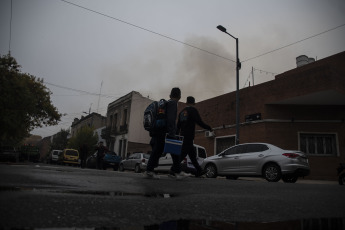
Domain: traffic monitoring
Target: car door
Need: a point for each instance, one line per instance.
(251, 159)
(229, 160)
(165, 162)
(127, 163)
(134, 160)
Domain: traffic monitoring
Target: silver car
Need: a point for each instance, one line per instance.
(258, 159)
(136, 162)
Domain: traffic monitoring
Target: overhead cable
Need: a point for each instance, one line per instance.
(294, 43)
(151, 31)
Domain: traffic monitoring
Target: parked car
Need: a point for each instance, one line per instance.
(9, 153)
(258, 159)
(136, 162)
(71, 156)
(165, 162)
(110, 160)
(56, 156)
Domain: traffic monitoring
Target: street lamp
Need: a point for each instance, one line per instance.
(238, 67)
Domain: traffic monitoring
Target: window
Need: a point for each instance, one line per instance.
(256, 148)
(124, 121)
(223, 143)
(202, 153)
(318, 144)
(235, 150)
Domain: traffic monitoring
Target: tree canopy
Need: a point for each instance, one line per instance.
(60, 140)
(85, 135)
(25, 103)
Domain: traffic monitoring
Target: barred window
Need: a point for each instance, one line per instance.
(318, 144)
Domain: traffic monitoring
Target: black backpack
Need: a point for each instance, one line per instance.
(155, 116)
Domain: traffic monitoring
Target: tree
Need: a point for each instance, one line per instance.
(25, 103)
(85, 135)
(60, 140)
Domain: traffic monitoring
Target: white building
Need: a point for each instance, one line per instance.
(124, 127)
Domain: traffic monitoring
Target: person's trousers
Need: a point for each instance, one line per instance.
(157, 144)
(188, 149)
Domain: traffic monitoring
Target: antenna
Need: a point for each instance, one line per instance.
(9, 44)
(99, 96)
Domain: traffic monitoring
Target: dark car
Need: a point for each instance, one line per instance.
(8, 153)
(110, 160)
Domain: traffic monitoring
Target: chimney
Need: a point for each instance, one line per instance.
(303, 60)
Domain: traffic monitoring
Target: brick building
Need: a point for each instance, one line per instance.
(302, 109)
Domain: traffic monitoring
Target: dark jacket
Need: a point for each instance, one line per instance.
(187, 119)
(171, 115)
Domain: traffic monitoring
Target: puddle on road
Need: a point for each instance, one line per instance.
(305, 224)
(88, 192)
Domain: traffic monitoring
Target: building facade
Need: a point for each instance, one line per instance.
(302, 109)
(94, 120)
(126, 133)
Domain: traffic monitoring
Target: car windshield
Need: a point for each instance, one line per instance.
(72, 152)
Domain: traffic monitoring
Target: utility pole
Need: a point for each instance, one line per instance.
(253, 74)
(99, 96)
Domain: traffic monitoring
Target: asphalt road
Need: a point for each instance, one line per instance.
(50, 196)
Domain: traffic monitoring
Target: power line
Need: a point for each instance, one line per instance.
(81, 91)
(150, 31)
(294, 43)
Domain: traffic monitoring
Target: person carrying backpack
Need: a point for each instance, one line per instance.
(166, 125)
(187, 119)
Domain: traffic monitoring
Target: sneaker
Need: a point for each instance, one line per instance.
(151, 175)
(182, 175)
(172, 175)
(200, 174)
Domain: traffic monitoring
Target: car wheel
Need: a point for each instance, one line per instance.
(289, 179)
(272, 173)
(121, 169)
(341, 179)
(137, 169)
(232, 177)
(211, 171)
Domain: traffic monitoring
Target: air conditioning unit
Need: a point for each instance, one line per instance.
(209, 134)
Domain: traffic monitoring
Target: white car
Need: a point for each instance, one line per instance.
(258, 159)
(136, 162)
(165, 162)
(56, 156)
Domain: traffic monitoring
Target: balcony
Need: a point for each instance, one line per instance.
(124, 128)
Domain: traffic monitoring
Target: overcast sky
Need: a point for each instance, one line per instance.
(151, 46)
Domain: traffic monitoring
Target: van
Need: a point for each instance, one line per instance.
(165, 162)
(56, 156)
(71, 156)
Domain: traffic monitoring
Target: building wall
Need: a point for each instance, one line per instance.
(125, 117)
(136, 131)
(94, 120)
(306, 99)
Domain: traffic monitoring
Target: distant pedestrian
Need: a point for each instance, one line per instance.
(101, 150)
(158, 139)
(83, 155)
(187, 119)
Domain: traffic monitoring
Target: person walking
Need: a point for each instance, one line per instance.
(83, 155)
(101, 150)
(158, 139)
(187, 119)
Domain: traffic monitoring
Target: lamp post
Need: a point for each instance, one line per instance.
(238, 67)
